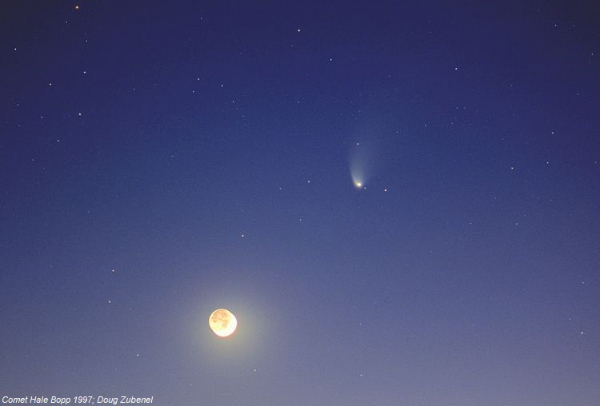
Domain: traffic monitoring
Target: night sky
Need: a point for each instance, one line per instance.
(162, 159)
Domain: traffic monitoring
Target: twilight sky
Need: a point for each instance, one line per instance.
(161, 159)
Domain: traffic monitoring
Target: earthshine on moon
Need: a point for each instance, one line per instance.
(222, 322)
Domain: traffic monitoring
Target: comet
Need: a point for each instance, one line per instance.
(358, 165)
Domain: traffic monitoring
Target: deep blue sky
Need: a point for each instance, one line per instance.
(160, 159)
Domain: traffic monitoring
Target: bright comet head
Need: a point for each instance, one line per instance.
(357, 179)
(222, 322)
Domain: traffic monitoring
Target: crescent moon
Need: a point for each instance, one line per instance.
(222, 322)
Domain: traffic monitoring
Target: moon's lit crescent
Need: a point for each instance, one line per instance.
(222, 322)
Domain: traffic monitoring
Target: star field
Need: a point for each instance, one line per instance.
(398, 201)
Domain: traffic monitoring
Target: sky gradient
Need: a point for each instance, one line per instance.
(159, 160)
